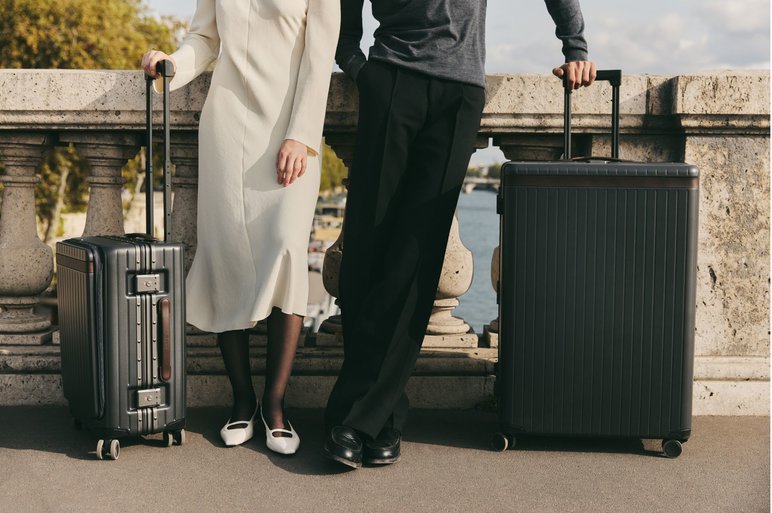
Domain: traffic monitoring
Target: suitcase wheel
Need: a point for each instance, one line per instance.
(672, 448)
(100, 446)
(175, 437)
(112, 450)
(502, 442)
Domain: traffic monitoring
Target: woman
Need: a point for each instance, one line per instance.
(259, 149)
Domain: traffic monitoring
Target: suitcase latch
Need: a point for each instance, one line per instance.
(148, 398)
(147, 282)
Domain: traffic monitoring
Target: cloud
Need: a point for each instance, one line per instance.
(735, 16)
(688, 37)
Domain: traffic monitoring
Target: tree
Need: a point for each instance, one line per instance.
(333, 170)
(494, 171)
(81, 34)
(78, 34)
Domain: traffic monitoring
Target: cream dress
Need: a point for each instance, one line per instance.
(269, 84)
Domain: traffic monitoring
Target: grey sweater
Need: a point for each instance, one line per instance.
(442, 38)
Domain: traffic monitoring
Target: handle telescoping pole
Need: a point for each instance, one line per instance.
(614, 77)
(165, 69)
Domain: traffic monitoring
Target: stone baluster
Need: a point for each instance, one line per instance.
(184, 149)
(445, 330)
(26, 263)
(517, 147)
(331, 330)
(107, 153)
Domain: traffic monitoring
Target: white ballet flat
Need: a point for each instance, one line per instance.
(239, 435)
(281, 444)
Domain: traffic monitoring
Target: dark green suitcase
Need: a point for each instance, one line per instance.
(597, 297)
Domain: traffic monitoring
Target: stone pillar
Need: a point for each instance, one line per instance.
(26, 263)
(331, 330)
(731, 148)
(517, 147)
(107, 153)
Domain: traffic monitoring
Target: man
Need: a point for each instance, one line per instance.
(421, 95)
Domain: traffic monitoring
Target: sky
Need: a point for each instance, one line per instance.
(659, 37)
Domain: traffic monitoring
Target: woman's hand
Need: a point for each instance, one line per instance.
(153, 57)
(291, 162)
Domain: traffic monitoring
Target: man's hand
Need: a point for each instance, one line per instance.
(291, 162)
(580, 73)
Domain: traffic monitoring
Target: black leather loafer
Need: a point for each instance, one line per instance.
(344, 445)
(384, 449)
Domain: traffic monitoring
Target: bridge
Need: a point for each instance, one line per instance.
(487, 184)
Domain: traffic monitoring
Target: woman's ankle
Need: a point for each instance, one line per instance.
(244, 406)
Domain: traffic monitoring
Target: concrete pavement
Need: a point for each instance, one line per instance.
(46, 466)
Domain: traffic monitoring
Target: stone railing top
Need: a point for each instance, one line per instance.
(114, 100)
(736, 93)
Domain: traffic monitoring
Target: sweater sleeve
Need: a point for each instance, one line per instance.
(569, 28)
(310, 102)
(199, 48)
(349, 55)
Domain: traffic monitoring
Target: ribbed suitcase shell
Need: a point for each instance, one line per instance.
(110, 334)
(597, 298)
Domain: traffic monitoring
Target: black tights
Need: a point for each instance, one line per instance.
(283, 332)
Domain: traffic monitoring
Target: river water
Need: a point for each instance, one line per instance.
(479, 227)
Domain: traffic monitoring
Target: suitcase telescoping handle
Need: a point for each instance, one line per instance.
(613, 76)
(166, 69)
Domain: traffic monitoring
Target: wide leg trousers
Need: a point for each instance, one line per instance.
(415, 136)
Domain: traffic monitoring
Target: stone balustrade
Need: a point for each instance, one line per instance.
(719, 122)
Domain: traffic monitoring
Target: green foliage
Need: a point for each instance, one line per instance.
(474, 172)
(81, 34)
(78, 34)
(333, 170)
(495, 170)
(62, 162)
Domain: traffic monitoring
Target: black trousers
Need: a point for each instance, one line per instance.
(415, 137)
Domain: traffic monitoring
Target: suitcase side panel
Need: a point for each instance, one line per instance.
(597, 310)
(78, 270)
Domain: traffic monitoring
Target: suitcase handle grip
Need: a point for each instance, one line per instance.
(614, 77)
(165, 69)
(166, 344)
(141, 235)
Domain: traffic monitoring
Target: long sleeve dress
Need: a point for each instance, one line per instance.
(269, 84)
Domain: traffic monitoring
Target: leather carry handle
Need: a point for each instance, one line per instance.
(166, 339)
(165, 68)
(614, 77)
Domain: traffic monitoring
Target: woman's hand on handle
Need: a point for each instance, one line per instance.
(291, 162)
(151, 59)
(580, 73)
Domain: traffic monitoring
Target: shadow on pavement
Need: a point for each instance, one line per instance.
(308, 424)
(52, 429)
